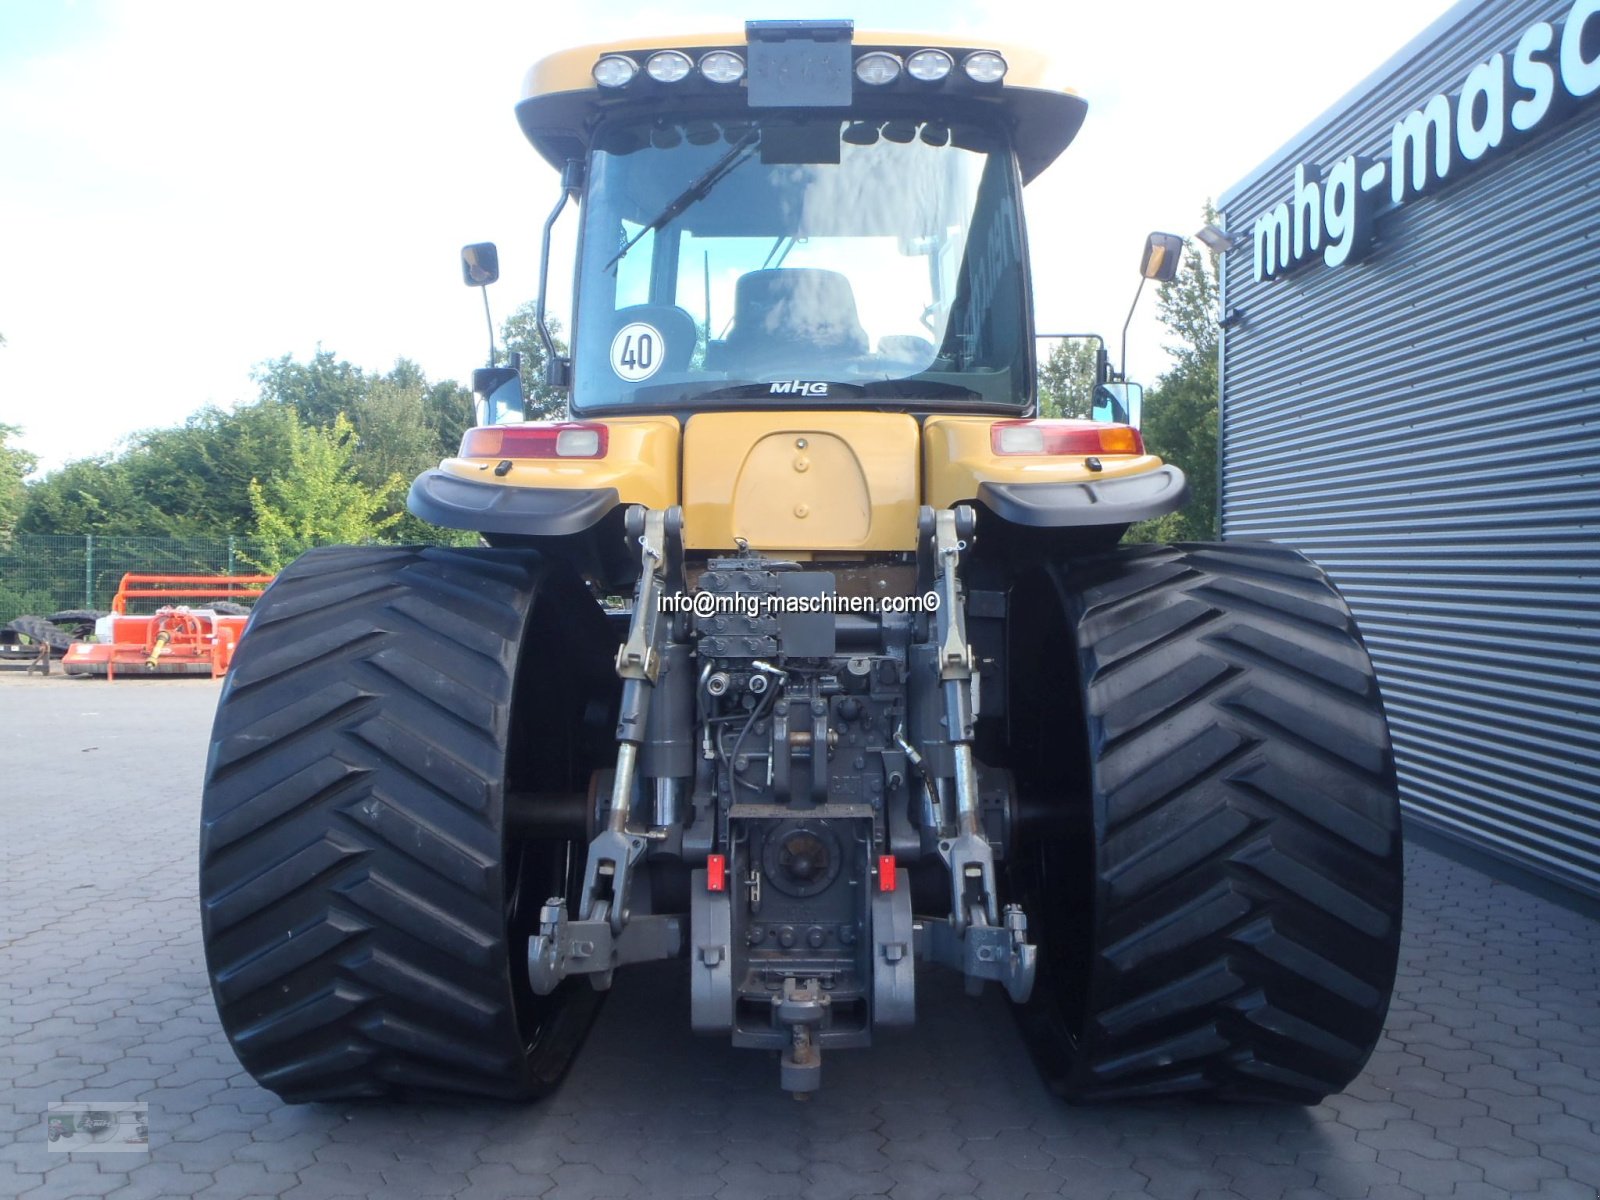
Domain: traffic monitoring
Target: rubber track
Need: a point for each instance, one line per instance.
(1245, 837)
(41, 630)
(352, 883)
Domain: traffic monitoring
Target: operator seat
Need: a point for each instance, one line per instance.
(792, 313)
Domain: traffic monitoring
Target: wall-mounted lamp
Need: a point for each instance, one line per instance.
(1216, 240)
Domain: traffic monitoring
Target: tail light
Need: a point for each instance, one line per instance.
(548, 439)
(1063, 438)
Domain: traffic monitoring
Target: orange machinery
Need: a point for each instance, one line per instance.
(182, 639)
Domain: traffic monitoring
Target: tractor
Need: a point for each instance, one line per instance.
(804, 655)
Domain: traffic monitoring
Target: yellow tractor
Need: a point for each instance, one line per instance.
(803, 654)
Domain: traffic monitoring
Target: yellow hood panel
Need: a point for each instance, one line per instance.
(801, 481)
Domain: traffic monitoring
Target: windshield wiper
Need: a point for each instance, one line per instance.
(724, 166)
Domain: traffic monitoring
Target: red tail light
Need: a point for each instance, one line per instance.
(1064, 438)
(546, 439)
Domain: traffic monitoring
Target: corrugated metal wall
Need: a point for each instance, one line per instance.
(1426, 425)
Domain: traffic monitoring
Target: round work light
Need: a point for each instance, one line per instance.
(930, 66)
(877, 68)
(722, 66)
(668, 66)
(984, 66)
(615, 70)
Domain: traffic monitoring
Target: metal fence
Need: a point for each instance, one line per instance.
(41, 573)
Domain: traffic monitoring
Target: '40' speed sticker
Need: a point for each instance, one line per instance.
(636, 351)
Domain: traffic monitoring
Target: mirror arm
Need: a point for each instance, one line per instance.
(489, 321)
(1139, 291)
(571, 181)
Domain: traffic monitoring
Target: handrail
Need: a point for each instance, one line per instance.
(221, 587)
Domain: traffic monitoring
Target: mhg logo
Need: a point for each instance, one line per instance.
(1501, 101)
(798, 387)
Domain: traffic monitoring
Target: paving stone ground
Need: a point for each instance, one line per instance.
(1485, 1087)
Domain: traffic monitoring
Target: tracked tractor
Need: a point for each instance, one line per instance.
(803, 655)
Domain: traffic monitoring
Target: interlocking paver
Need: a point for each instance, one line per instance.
(77, 1179)
(1084, 1177)
(157, 1181)
(915, 1179)
(502, 1182)
(834, 1181)
(1000, 1180)
(1563, 1189)
(1517, 1173)
(752, 1179)
(670, 1182)
(1431, 1176)
(1582, 1162)
(1180, 1180)
(1487, 1082)
(862, 1152)
(1252, 1180)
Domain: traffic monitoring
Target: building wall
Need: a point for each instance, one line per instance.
(1425, 423)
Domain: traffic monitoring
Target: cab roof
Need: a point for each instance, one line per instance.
(561, 104)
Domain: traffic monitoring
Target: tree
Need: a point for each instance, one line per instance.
(447, 409)
(1067, 378)
(1180, 413)
(197, 476)
(405, 426)
(318, 500)
(194, 479)
(519, 333)
(319, 390)
(395, 438)
(15, 465)
(89, 495)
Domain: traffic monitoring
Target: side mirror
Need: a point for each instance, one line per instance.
(1119, 402)
(480, 264)
(497, 395)
(1163, 255)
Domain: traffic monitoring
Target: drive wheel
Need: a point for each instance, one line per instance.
(1214, 874)
(364, 911)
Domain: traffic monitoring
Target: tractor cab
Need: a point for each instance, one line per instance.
(812, 215)
(802, 219)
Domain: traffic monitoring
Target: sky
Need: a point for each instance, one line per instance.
(189, 189)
